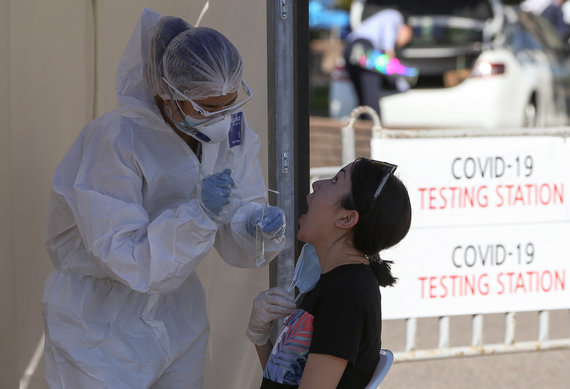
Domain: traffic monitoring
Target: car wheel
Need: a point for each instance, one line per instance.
(529, 115)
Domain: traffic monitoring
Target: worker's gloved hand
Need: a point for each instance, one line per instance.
(269, 305)
(272, 223)
(215, 192)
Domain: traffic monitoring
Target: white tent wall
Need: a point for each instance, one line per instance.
(60, 73)
(8, 364)
(47, 105)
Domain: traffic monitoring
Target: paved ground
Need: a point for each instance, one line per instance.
(532, 370)
(535, 370)
(545, 369)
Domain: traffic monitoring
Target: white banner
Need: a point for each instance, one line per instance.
(490, 225)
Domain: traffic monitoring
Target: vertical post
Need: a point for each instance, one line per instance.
(348, 144)
(288, 121)
(411, 334)
(543, 326)
(302, 129)
(477, 331)
(510, 327)
(443, 332)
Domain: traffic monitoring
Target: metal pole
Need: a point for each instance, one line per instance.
(288, 122)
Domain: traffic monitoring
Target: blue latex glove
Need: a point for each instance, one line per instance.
(273, 223)
(216, 190)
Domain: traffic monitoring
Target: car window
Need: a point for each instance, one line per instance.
(430, 35)
(475, 9)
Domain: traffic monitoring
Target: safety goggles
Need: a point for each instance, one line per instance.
(243, 96)
(388, 169)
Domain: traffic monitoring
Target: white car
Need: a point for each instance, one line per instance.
(481, 65)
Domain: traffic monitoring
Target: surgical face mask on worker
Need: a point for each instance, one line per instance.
(210, 130)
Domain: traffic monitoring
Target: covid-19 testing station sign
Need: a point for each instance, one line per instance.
(490, 226)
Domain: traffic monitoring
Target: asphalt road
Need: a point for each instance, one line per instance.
(549, 369)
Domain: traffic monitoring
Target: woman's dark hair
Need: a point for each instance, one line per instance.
(384, 221)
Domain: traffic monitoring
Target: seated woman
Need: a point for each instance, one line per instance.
(332, 337)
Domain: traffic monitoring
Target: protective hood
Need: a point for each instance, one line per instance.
(130, 82)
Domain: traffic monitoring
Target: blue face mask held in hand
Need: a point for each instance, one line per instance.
(307, 270)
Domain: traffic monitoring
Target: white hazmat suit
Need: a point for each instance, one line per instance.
(123, 307)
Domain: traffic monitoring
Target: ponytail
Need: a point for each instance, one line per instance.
(382, 270)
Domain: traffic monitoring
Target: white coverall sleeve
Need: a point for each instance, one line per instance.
(234, 244)
(149, 256)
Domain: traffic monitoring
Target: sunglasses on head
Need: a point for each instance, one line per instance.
(387, 170)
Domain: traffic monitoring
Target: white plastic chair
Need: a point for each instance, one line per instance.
(384, 364)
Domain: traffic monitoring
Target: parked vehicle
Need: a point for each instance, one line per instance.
(481, 64)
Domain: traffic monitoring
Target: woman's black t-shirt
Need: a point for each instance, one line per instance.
(341, 317)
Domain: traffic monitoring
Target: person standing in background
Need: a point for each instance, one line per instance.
(385, 31)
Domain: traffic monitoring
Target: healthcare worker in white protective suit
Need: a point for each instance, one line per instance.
(138, 201)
